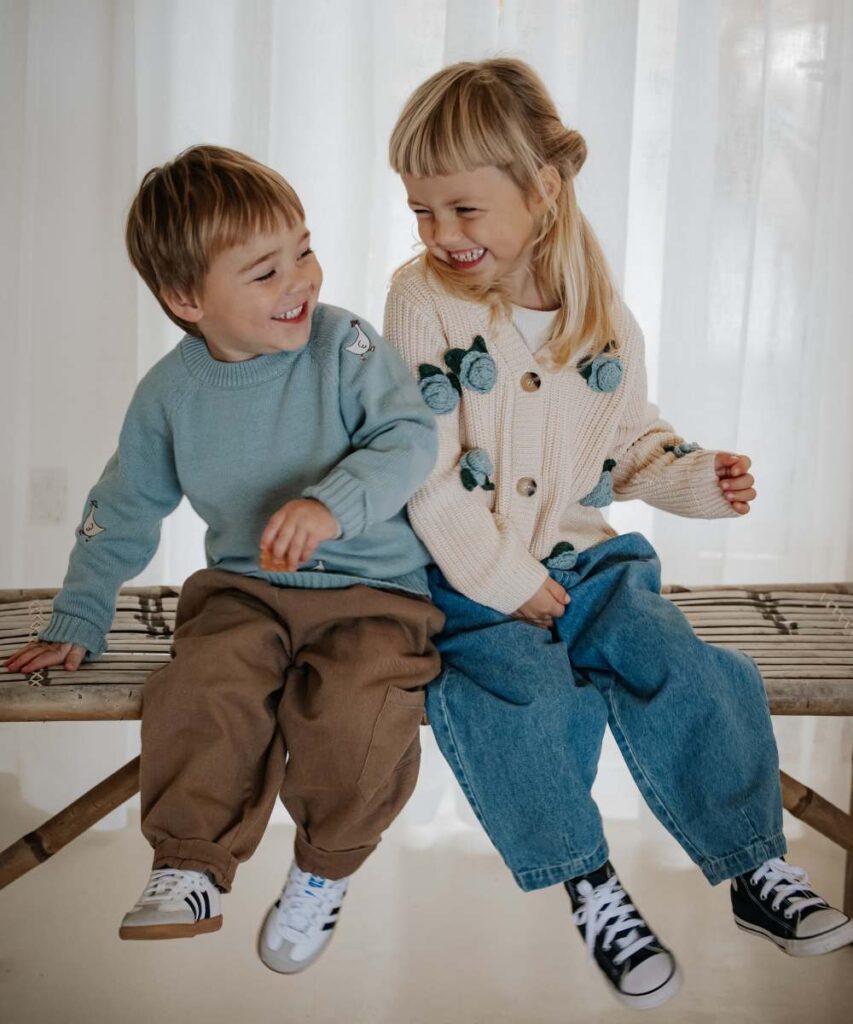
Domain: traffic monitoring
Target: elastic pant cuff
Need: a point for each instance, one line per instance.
(329, 863)
(197, 855)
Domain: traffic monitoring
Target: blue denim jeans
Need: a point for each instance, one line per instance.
(519, 713)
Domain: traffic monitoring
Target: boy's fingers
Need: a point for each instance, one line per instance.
(271, 529)
(282, 541)
(74, 658)
(294, 549)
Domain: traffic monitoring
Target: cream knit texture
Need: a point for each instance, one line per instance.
(491, 544)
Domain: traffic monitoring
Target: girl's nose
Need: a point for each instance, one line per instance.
(446, 233)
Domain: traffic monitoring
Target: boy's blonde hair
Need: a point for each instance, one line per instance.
(187, 211)
(497, 113)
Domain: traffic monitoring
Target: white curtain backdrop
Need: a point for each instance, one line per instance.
(720, 135)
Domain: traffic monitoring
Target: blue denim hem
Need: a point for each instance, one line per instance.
(541, 878)
(741, 861)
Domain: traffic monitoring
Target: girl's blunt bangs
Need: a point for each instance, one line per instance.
(447, 133)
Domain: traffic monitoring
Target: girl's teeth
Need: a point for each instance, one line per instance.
(291, 314)
(468, 257)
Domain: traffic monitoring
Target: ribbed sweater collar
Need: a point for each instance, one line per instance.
(205, 368)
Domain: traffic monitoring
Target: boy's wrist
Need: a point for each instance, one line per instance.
(67, 628)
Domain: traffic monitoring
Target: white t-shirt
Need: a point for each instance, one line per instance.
(534, 325)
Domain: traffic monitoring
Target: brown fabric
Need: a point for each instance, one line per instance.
(329, 681)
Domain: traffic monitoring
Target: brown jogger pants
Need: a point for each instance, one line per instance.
(316, 694)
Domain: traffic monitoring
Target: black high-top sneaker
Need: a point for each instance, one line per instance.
(641, 970)
(776, 901)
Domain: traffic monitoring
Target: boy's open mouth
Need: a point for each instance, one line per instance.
(292, 316)
(465, 259)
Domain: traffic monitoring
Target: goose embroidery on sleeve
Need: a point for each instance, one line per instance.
(362, 346)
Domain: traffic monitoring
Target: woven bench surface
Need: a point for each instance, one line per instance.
(801, 637)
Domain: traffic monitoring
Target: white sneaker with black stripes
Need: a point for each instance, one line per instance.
(299, 924)
(174, 905)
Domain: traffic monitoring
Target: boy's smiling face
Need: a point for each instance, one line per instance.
(258, 297)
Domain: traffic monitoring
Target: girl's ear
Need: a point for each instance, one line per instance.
(550, 184)
(184, 305)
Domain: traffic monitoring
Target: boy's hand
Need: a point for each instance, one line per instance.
(44, 654)
(293, 534)
(736, 483)
(548, 603)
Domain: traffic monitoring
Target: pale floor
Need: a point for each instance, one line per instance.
(434, 932)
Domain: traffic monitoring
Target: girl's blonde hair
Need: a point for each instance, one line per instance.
(497, 113)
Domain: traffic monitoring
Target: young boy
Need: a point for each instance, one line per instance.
(301, 653)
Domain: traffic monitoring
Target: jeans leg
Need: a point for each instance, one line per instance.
(522, 739)
(691, 720)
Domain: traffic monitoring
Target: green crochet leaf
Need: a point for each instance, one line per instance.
(468, 480)
(453, 358)
(479, 344)
(488, 486)
(428, 370)
(609, 464)
(585, 371)
(454, 380)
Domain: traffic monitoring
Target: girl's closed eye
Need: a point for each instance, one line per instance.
(266, 276)
(306, 252)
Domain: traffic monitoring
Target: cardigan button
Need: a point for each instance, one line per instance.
(526, 487)
(531, 382)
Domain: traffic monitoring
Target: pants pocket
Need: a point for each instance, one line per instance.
(394, 741)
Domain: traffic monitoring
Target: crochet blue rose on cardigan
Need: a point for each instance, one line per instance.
(474, 366)
(562, 557)
(475, 469)
(440, 391)
(602, 493)
(604, 373)
(685, 448)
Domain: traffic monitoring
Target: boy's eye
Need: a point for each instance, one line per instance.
(265, 277)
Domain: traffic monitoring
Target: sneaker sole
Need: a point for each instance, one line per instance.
(170, 931)
(655, 998)
(814, 945)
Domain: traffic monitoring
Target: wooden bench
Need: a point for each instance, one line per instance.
(800, 636)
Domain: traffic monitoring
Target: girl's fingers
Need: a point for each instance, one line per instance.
(740, 507)
(741, 497)
(739, 483)
(557, 591)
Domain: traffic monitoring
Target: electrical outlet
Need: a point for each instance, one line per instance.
(48, 496)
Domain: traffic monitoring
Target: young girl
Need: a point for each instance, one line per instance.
(555, 625)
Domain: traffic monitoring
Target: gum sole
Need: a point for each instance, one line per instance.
(170, 931)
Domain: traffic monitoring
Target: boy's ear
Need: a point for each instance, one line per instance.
(184, 305)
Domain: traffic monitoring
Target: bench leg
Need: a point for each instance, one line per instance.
(848, 874)
(827, 819)
(35, 847)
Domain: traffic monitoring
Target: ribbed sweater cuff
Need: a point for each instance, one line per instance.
(705, 487)
(507, 587)
(344, 497)
(69, 629)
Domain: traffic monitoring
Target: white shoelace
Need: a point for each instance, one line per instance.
(787, 881)
(164, 885)
(301, 905)
(605, 908)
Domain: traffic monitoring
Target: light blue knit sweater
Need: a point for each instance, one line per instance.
(338, 420)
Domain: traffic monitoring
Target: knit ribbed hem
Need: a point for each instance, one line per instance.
(705, 487)
(344, 497)
(204, 367)
(411, 582)
(518, 583)
(69, 629)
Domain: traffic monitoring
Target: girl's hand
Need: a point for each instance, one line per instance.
(294, 532)
(44, 654)
(548, 603)
(736, 483)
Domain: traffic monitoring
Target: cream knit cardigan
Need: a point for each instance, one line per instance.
(490, 544)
